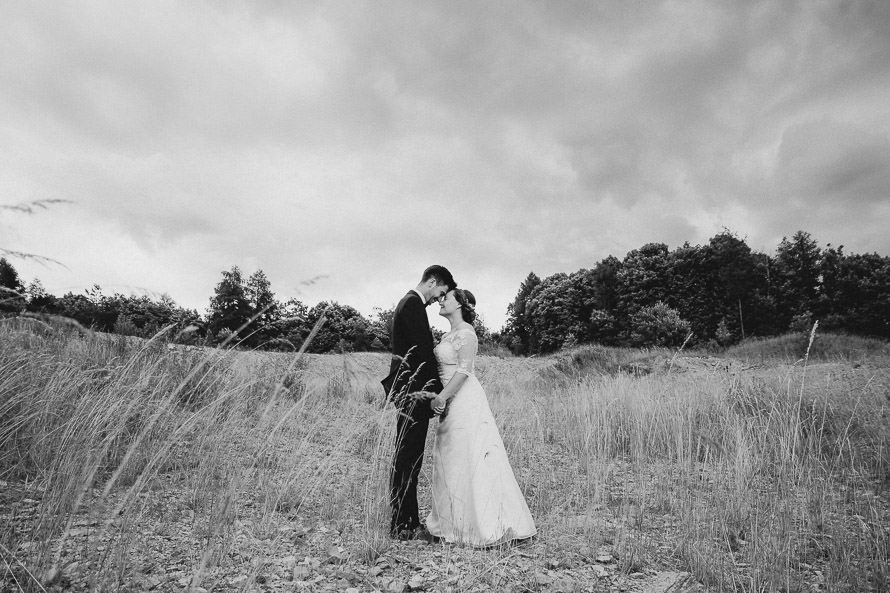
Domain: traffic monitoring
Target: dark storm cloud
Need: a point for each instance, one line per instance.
(824, 161)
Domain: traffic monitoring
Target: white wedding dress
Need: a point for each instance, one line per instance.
(476, 500)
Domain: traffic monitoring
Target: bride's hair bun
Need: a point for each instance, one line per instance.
(467, 304)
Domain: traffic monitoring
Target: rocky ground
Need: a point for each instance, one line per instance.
(163, 544)
(304, 553)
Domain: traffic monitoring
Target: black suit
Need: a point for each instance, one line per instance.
(413, 369)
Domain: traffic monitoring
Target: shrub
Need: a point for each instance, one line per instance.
(658, 325)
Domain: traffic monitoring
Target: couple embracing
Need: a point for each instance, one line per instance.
(475, 498)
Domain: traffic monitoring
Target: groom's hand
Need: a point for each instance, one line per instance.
(438, 404)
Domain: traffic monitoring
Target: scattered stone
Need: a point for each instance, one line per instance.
(238, 581)
(71, 569)
(26, 546)
(668, 581)
(565, 586)
(51, 576)
(150, 583)
(337, 555)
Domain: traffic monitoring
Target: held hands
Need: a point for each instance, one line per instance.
(438, 404)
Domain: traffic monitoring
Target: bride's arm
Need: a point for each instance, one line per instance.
(454, 385)
(466, 345)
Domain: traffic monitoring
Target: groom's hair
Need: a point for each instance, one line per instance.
(441, 274)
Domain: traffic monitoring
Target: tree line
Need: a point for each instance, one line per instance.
(243, 312)
(713, 294)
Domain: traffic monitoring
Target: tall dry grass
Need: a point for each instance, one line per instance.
(97, 427)
(766, 477)
(753, 480)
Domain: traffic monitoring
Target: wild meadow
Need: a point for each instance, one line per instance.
(133, 465)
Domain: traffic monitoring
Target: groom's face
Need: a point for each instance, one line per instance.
(437, 292)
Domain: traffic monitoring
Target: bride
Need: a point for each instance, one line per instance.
(476, 499)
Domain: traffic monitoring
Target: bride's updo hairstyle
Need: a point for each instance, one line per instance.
(467, 304)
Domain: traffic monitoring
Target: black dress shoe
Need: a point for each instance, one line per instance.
(422, 533)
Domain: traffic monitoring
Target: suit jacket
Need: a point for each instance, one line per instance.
(413, 367)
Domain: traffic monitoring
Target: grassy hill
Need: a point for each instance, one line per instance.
(130, 465)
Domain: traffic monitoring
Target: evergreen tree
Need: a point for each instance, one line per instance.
(796, 278)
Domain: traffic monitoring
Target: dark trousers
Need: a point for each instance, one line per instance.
(411, 429)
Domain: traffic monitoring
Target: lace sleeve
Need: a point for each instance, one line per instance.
(466, 344)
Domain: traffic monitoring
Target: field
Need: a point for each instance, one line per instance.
(134, 466)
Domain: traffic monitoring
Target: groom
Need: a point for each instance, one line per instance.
(413, 370)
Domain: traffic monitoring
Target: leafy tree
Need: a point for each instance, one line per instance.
(517, 327)
(145, 316)
(855, 292)
(552, 315)
(230, 307)
(605, 283)
(344, 329)
(40, 301)
(642, 281)
(81, 308)
(292, 325)
(722, 282)
(603, 326)
(381, 326)
(258, 291)
(658, 325)
(691, 284)
(12, 291)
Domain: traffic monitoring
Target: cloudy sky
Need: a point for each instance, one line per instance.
(344, 146)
